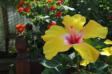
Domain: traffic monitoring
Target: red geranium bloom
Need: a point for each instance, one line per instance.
(27, 10)
(52, 8)
(58, 3)
(61, 1)
(58, 13)
(20, 4)
(51, 24)
(20, 9)
(20, 28)
(49, 1)
(48, 26)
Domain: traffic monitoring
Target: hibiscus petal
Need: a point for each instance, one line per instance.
(108, 42)
(94, 29)
(84, 62)
(53, 32)
(53, 47)
(87, 52)
(107, 51)
(77, 21)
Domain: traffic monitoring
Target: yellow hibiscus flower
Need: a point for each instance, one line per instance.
(60, 39)
(108, 50)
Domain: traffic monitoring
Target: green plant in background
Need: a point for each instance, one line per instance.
(46, 14)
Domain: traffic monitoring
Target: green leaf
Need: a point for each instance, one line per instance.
(50, 71)
(50, 63)
(89, 41)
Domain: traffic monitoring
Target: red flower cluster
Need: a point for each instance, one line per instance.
(23, 7)
(58, 13)
(51, 24)
(20, 28)
(51, 8)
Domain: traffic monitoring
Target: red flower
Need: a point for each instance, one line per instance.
(58, 3)
(27, 10)
(23, 7)
(110, 16)
(20, 9)
(52, 8)
(51, 24)
(49, 1)
(20, 28)
(58, 13)
(21, 3)
(61, 1)
(48, 26)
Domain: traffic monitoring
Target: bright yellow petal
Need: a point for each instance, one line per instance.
(107, 51)
(77, 21)
(108, 42)
(84, 62)
(87, 52)
(94, 29)
(53, 47)
(54, 32)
